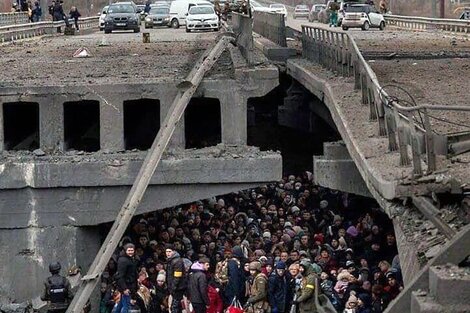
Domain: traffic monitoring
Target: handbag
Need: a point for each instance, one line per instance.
(235, 307)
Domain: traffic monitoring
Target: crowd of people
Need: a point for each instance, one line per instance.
(270, 249)
(56, 11)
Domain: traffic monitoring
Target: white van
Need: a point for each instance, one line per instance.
(180, 8)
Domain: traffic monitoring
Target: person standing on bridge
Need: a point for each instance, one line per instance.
(126, 278)
(74, 14)
(334, 7)
(57, 291)
(37, 12)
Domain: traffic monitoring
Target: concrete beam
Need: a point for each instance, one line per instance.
(336, 170)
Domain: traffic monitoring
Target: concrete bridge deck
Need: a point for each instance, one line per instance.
(430, 66)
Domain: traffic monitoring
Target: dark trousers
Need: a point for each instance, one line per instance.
(199, 307)
(176, 304)
(76, 23)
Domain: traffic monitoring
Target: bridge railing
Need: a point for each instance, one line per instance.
(270, 25)
(13, 18)
(337, 51)
(427, 23)
(28, 30)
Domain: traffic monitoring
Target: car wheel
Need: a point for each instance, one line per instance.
(175, 23)
(107, 31)
(382, 25)
(188, 30)
(101, 29)
(345, 27)
(366, 26)
(137, 30)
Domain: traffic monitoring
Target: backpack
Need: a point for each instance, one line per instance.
(57, 290)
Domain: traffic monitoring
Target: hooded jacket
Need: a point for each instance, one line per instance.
(306, 294)
(197, 285)
(175, 275)
(277, 292)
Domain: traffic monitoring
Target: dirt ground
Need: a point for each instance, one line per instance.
(115, 58)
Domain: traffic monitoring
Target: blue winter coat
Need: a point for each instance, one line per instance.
(277, 293)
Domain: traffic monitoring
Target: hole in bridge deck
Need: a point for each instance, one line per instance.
(21, 125)
(202, 122)
(141, 123)
(82, 125)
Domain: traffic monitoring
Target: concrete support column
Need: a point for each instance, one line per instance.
(27, 252)
(2, 137)
(178, 140)
(112, 123)
(51, 123)
(233, 110)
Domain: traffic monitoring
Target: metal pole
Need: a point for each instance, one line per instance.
(443, 8)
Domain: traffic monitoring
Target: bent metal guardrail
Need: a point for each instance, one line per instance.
(426, 23)
(13, 18)
(339, 52)
(23, 31)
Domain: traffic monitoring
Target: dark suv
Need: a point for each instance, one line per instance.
(122, 16)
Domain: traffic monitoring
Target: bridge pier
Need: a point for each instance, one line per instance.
(336, 170)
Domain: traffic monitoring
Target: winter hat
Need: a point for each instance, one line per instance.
(287, 224)
(259, 253)
(295, 209)
(298, 230)
(286, 238)
(352, 231)
(161, 277)
(349, 263)
(337, 218)
(153, 242)
(324, 204)
(319, 237)
(267, 235)
(281, 265)
(238, 252)
(290, 232)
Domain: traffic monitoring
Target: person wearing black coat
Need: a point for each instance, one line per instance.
(126, 277)
(74, 14)
(197, 286)
(175, 277)
(277, 289)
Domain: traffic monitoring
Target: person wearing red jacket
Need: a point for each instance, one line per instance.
(216, 304)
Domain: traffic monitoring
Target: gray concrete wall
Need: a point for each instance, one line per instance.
(27, 252)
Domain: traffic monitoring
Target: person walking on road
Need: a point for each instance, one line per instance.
(126, 278)
(334, 7)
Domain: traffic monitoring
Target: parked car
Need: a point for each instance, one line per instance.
(279, 8)
(301, 10)
(256, 6)
(103, 16)
(364, 16)
(158, 16)
(180, 8)
(202, 17)
(122, 16)
(313, 14)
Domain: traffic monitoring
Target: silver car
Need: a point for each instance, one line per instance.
(158, 16)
